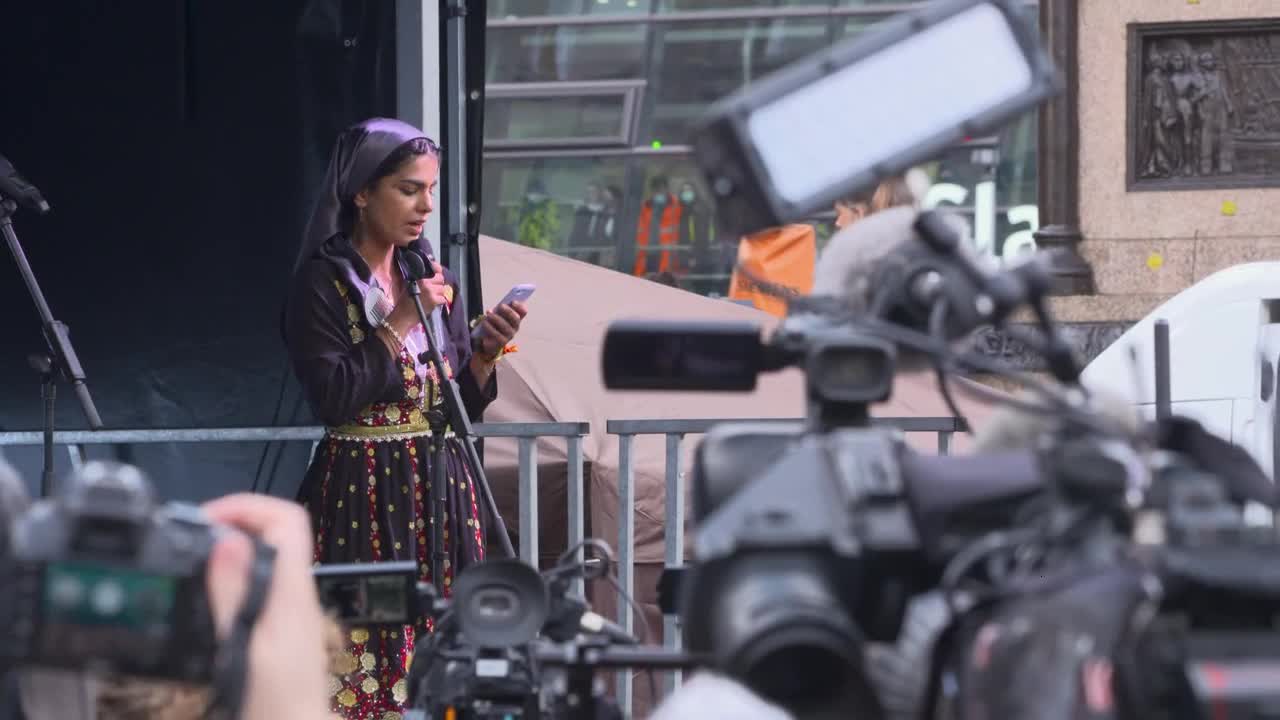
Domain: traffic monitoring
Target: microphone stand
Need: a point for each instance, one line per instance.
(62, 356)
(461, 426)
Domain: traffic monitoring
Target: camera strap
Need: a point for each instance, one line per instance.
(231, 668)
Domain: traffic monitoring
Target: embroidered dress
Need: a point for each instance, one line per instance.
(368, 488)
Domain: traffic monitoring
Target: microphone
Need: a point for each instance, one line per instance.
(16, 188)
(595, 623)
(570, 616)
(895, 264)
(417, 264)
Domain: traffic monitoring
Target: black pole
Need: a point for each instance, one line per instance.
(1164, 406)
(43, 364)
(453, 126)
(460, 424)
(62, 355)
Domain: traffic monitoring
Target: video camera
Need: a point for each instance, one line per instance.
(812, 538)
(514, 643)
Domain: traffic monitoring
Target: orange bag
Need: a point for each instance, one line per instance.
(783, 256)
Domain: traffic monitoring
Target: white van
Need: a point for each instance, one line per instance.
(1224, 357)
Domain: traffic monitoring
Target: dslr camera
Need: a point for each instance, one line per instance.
(101, 577)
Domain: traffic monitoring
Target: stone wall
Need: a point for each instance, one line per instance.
(1146, 246)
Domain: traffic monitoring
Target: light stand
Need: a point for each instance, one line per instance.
(457, 420)
(62, 356)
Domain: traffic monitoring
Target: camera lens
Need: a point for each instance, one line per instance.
(778, 624)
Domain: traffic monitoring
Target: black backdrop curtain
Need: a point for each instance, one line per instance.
(179, 145)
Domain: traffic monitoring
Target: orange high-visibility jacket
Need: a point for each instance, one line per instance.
(668, 234)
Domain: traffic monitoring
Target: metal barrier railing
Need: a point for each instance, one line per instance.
(526, 435)
(674, 515)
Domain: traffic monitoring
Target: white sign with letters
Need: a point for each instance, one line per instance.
(984, 217)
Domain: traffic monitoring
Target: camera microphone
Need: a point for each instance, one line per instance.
(597, 624)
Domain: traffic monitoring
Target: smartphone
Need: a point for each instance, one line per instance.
(518, 293)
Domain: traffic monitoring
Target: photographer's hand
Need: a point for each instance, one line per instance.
(287, 653)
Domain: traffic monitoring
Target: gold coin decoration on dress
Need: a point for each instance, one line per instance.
(400, 691)
(347, 698)
(359, 635)
(345, 665)
(335, 685)
(357, 335)
(369, 686)
(368, 662)
(352, 313)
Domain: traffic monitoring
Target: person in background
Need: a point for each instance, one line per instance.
(538, 219)
(589, 219)
(658, 231)
(609, 232)
(907, 189)
(696, 228)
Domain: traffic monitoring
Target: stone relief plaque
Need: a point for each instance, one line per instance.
(1204, 105)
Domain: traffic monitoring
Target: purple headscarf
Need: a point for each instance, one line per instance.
(359, 151)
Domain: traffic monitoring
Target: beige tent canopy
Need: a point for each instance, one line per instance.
(556, 377)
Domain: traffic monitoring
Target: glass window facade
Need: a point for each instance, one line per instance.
(590, 108)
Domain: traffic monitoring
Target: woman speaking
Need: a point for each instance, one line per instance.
(354, 341)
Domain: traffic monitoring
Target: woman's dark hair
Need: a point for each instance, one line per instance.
(396, 160)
